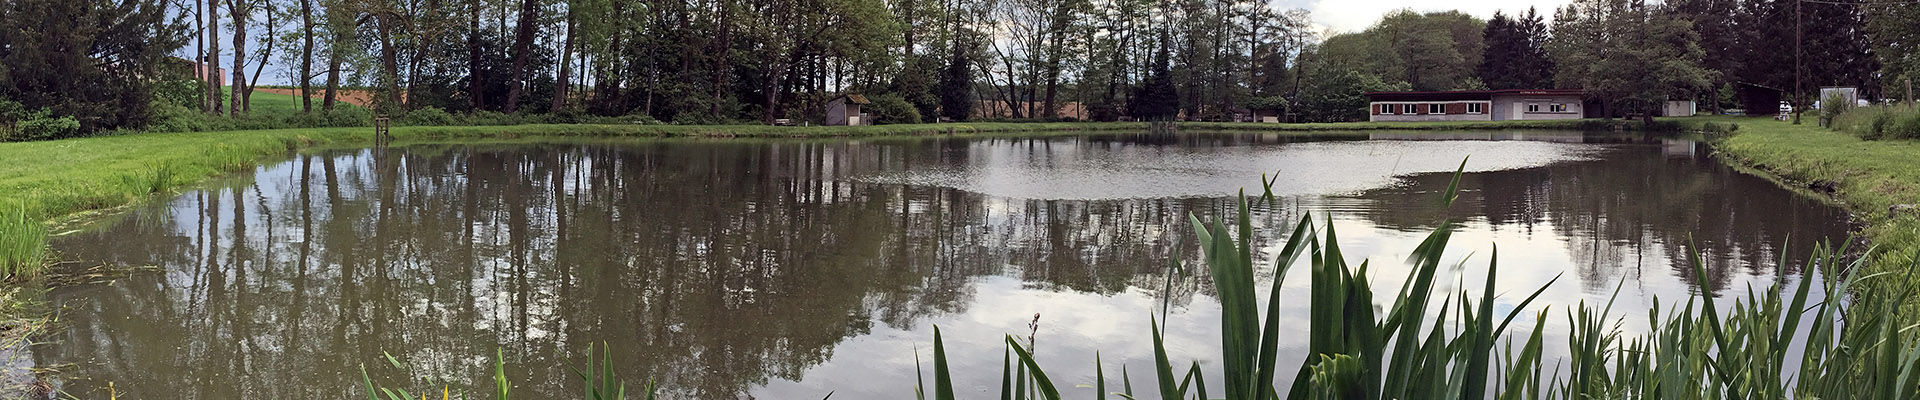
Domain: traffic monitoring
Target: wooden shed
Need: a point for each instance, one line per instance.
(845, 110)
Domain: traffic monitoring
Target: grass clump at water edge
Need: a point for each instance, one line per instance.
(23, 242)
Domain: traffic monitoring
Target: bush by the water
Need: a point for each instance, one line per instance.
(1880, 122)
(893, 109)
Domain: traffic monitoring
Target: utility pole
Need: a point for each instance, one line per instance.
(1799, 66)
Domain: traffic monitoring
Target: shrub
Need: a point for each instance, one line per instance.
(484, 117)
(1832, 106)
(180, 92)
(429, 116)
(17, 124)
(893, 109)
(1879, 122)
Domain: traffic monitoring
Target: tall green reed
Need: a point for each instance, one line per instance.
(23, 242)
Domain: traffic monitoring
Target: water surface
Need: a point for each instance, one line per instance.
(791, 269)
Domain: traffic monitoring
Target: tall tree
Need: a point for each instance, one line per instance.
(956, 82)
(1896, 41)
(1157, 99)
(90, 60)
(522, 44)
(566, 54)
(213, 57)
(1627, 56)
(241, 11)
(306, 56)
(1516, 56)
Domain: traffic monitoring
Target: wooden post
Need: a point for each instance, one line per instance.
(381, 133)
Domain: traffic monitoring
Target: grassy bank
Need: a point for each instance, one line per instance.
(1873, 178)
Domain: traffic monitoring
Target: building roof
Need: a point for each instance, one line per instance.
(1466, 94)
(853, 98)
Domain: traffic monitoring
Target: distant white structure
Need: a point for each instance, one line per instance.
(1681, 108)
(1851, 94)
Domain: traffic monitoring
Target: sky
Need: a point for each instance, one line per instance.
(1342, 16)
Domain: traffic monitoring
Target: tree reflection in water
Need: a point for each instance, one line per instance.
(720, 267)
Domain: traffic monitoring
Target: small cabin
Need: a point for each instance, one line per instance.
(845, 111)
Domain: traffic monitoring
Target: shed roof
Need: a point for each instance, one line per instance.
(853, 98)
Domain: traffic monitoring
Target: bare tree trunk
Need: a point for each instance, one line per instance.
(523, 43)
(273, 31)
(564, 78)
(238, 9)
(475, 77)
(334, 56)
(213, 56)
(389, 60)
(200, 66)
(724, 48)
(306, 57)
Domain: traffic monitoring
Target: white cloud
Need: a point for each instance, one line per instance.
(1343, 16)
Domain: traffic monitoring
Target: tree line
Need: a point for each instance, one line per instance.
(123, 64)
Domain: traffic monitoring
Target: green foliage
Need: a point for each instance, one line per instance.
(91, 63)
(23, 241)
(429, 116)
(1878, 122)
(1268, 103)
(19, 124)
(1157, 99)
(1338, 95)
(1516, 56)
(1832, 106)
(892, 109)
(178, 92)
(1627, 55)
(956, 82)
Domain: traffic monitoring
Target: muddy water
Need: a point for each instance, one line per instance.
(788, 270)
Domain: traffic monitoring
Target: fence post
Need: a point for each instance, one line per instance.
(381, 134)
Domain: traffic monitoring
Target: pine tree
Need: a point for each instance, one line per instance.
(1157, 100)
(1516, 56)
(956, 83)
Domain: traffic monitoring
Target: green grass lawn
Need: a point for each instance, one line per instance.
(274, 103)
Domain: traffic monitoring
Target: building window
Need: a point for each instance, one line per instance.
(1392, 108)
(1476, 108)
(1436, 108)
(1533, 107)
(1559, 108)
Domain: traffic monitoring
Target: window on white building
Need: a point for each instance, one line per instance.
(1476, 108)
(1533, 107)
(1559, 108)
(1436, 108)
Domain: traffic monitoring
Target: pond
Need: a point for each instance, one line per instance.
(794, 269)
